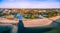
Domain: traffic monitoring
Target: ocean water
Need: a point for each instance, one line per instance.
(53, 28)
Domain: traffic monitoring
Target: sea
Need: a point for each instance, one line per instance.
(53, 28)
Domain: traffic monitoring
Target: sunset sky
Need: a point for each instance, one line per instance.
(29, 3)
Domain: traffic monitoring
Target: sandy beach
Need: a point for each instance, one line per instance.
(32, 22)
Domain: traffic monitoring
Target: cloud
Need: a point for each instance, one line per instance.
(29, 4)
(30, 0)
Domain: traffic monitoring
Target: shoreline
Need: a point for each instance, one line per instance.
(34, 22)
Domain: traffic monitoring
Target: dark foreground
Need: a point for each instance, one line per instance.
(53, 28)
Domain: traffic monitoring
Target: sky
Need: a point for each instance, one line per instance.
(29, 3)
